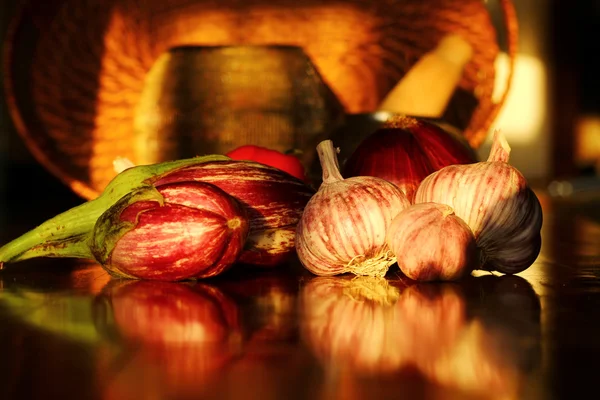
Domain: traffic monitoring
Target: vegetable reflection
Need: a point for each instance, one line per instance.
(176, 335)
(269, 300)
(368, 326)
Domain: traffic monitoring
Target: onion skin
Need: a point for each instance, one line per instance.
(406, 150)
(273, 200)
(431, 243)
(172, 232)
(493, 198)
(344, 224)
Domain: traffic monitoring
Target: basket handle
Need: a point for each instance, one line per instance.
(512, 34)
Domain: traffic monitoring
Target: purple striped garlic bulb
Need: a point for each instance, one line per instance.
(431, 243)
(493, 198)
(344, 225)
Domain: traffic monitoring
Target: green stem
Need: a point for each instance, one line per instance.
(69, 234)
(62, 236)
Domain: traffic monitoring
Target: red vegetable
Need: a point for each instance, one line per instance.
(273, 199)
(285, 162)
(171, 232)
(150, 312)
(184, 336)
(405, 151)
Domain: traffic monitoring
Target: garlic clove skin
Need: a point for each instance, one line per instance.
(514, 246)
(493, 198)
(344, 225)
(431, 243)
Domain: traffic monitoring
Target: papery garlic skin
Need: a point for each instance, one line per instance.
(344, 225)
(493, 198)
(431, 243)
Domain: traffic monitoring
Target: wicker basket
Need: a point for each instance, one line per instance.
(75, 70)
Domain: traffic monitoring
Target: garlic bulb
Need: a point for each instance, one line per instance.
(493, 198)
(431, 243)
(344, 225)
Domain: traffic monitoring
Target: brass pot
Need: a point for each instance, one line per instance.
(201, 100)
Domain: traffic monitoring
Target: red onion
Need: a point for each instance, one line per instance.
(406, 150)
(344, 225)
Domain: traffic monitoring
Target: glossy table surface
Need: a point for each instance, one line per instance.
(68, 331)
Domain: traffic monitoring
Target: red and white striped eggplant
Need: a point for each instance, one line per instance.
(171, 232)
(68, 234)
(273, 199)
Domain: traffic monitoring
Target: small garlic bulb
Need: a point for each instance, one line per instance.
(344, 225)
(431, 243)
(493, 198)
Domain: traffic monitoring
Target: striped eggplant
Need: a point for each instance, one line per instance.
(274, 201)
(171, 232)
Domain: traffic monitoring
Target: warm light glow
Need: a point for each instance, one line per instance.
(354, 325)
(522, 116)
(87, 89)
(587, 138)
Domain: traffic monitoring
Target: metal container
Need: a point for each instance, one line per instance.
(209, 100)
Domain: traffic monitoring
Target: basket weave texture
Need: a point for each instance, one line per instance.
(75, 69)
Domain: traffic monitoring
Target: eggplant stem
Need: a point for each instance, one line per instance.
(62, 236)
(329, 162)
(68, 234)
